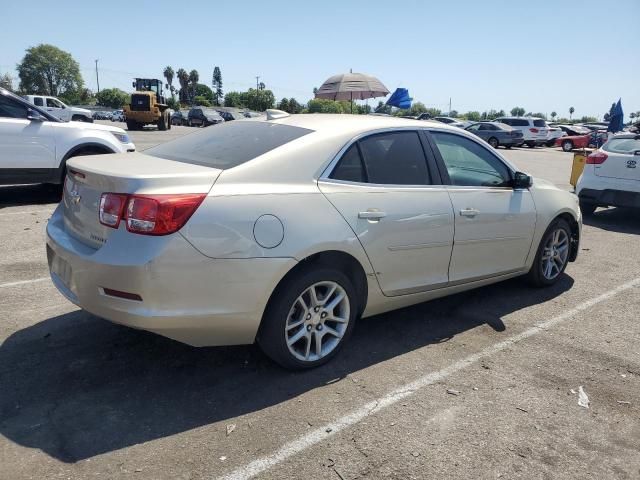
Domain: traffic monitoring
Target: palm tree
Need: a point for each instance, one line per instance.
(571, 110)
(261, 86)
(168, 74)
(553, 116)
(183, 78)
(194, 76)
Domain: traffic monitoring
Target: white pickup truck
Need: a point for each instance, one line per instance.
(59, 109)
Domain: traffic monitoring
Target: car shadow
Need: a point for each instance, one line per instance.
(19, 195)
(75, 386)
(616, 219)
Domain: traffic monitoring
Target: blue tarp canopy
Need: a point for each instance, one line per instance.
(400, 98)
(616, 122)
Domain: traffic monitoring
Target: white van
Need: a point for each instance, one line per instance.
(534, 130)
(59, 109)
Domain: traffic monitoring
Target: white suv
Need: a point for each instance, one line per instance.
(611, 175)
(534, 130)
(59, 109)
(35, 146)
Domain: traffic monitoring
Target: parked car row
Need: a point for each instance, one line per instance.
(204, 116)
(115, 116)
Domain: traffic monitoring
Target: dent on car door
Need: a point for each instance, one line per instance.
(494, 223)
(384, 189)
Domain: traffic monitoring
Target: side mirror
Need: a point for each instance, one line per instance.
(522, 180)
(34, 116)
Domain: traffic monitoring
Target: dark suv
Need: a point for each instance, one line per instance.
(203, 117)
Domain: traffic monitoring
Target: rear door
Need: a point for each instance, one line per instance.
(623, 159)
(392, 197)
(494, 224)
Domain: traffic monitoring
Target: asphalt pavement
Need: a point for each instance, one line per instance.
(491, 383)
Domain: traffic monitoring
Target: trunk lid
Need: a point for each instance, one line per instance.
(88, 177)
(623, 158)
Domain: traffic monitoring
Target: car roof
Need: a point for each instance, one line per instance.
(351, 124)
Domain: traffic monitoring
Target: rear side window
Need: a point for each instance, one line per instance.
(518, 122)
(539, 123)
(622, 145)
(37, 101)
(229, 144)
(394, 158)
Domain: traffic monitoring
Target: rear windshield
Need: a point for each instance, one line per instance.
(622, 145)
(539, 123)
(229, 144)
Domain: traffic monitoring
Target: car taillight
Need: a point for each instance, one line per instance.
(111, 208)
(150, 214)
(533, 130)
(596, 158)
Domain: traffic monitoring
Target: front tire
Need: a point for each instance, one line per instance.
(530, 144)
(162, 123)
(132, 125)
(309, 318)
(567, 146)
(493, 141)
(552, 256)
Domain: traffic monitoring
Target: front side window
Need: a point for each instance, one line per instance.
(12, 109)
(470, 164)
(51, 103)
(37, 101)
(474, 128)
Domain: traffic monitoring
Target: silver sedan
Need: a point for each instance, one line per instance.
(288, 229)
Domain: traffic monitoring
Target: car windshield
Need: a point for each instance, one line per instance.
(229, 144)
(622, 145)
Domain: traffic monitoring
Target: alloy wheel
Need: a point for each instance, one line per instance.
(555, 254)
(317, 321)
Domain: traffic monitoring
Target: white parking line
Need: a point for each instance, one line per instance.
(23, 282)
(302, 443)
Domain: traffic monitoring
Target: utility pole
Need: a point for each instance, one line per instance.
(97, 78)
(449, 106)
(257, 84)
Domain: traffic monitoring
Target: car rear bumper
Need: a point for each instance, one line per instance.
(610, 197)
(183, 294)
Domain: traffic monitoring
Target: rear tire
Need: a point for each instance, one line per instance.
(493, 141)
(508, 147)
(552, 256)
(550, 143)
(567, 146)
(530, 144)
(293, 312)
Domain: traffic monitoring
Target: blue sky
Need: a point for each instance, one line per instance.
(541, 55)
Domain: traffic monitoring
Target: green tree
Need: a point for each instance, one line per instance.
(233, 99)
(183, 79)
(321, 105)
(202, 90)
(453, 113)
(553, 116)
(472, 116)
(6, 81)
(194, 77)
(588, 119)
(517, 111)
(539, 115)
(571, 110)
(169, 74)
(217, 84)
(82, 97)
(259, 100)
(47, 70)
(294, 106)
(112, 97)
(202, 101)
(173, 103)
(284, 105)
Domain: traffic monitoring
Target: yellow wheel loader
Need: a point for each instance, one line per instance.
(148, 106)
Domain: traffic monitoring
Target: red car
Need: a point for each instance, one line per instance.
(593, 139)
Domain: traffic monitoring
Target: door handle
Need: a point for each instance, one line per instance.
(469, 212)
(372, 214)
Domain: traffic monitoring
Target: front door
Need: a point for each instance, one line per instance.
(57, 109)
(385, 190)
(27, 147)
(494, 224)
